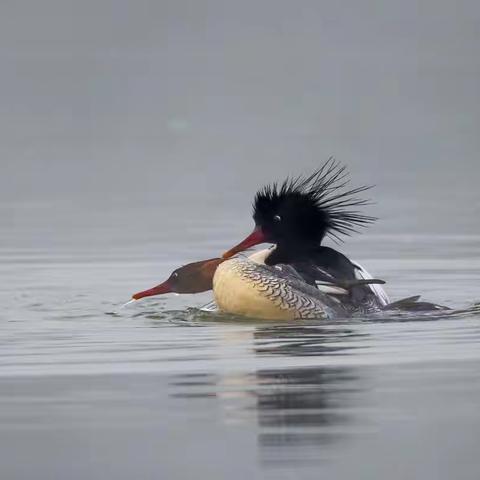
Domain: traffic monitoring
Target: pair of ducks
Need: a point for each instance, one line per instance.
(297, 277)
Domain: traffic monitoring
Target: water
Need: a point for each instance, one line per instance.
(158, 389)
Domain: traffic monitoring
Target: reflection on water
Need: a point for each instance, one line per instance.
(302, 411)
(305, 340)
(299, 411)
(306, 414)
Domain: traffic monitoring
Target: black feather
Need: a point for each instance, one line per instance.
(317, 205)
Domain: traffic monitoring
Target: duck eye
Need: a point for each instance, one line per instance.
(175, 275)
(277, 218)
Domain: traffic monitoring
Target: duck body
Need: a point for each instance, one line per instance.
(244, 287)
(301, 289)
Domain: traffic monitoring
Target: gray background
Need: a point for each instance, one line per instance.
(113, 105)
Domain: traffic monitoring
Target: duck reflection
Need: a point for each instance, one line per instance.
(306, 340)
(304, 410)
(299, 410)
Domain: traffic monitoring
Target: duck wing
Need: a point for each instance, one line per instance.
(376, 288)
(333, 273)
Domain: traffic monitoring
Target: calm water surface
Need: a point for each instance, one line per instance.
(161, 390)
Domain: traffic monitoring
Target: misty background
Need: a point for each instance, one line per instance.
(126, 116)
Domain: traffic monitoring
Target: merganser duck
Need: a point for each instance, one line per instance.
(297, 278)
(296, 216)
(281, 293)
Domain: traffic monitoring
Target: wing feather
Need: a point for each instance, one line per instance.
(378, 290)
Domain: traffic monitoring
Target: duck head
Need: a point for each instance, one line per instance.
(300, 212)
(194, 277)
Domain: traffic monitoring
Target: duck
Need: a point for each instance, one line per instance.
(296, 216)
(282, 294)
(297, 277)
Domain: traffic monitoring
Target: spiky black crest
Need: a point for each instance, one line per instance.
(313, 206)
